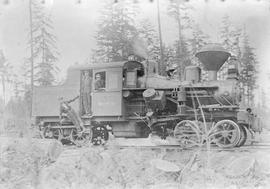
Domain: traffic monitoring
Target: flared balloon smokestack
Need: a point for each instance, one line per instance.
(213, 56)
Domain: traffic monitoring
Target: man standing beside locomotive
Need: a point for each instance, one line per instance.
(86, 92)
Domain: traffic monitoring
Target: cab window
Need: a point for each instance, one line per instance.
(114, 80)
(100, 80)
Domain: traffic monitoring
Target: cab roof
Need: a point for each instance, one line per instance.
(120, 64)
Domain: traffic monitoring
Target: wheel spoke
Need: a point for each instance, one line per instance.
(230, 139)
(219, 137)
(232, 132)
(187, 133)
(81, 139)
(227, 133)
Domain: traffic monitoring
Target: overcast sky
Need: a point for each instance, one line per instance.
(75, 26)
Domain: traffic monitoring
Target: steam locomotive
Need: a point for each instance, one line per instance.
(134, 102)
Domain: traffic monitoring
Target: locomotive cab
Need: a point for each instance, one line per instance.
(101, 95)
(106, 85)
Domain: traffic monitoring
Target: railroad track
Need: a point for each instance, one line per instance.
(73, 152)
(212, 148)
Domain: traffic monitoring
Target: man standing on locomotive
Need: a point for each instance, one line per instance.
(99, 83)
(86, 92)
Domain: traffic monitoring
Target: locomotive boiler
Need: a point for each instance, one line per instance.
(126, 98)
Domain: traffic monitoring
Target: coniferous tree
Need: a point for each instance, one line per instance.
(117, 31)
(249, 70)
(236, 36)
(230, 37)
(147, 32)
(225, 36)
(197, 41)
(45, 54)
(5, 73)
(169, 58)
(225, 32)
(182, 56)
(180, 12)
(18, 87)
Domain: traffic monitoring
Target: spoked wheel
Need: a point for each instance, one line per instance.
(225, 134)
(187, 133)
(81, 138)
(100, 135)
(51, 133)
(243, 136)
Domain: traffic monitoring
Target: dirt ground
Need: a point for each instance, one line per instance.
(28, 166)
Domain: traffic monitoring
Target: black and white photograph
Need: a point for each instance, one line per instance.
(134, 94)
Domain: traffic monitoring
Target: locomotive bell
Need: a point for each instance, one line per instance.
(213, 56)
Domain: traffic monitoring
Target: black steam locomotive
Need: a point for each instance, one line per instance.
(132, 101)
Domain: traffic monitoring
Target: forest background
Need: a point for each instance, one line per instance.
(63, 33)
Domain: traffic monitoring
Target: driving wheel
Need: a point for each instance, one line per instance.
(81, 138)
(187, 133)
(100, 135)
(52, 133)
(225, 134)
(243, 136)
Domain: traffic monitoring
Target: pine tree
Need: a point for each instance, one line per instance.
(236, 36)
(180, 12)
(169, 58)
(44, 46)
(249, 70)
(5, 73)
(26, 86)
(230, 37)
(147, 32)
(117, 31)
(182, 56)
(196, 42)
(18, 86)
(226, 43)
(225, 32)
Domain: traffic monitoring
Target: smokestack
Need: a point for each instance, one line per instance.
(212, 56)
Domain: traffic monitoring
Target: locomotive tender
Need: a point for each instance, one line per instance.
(134, 102)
